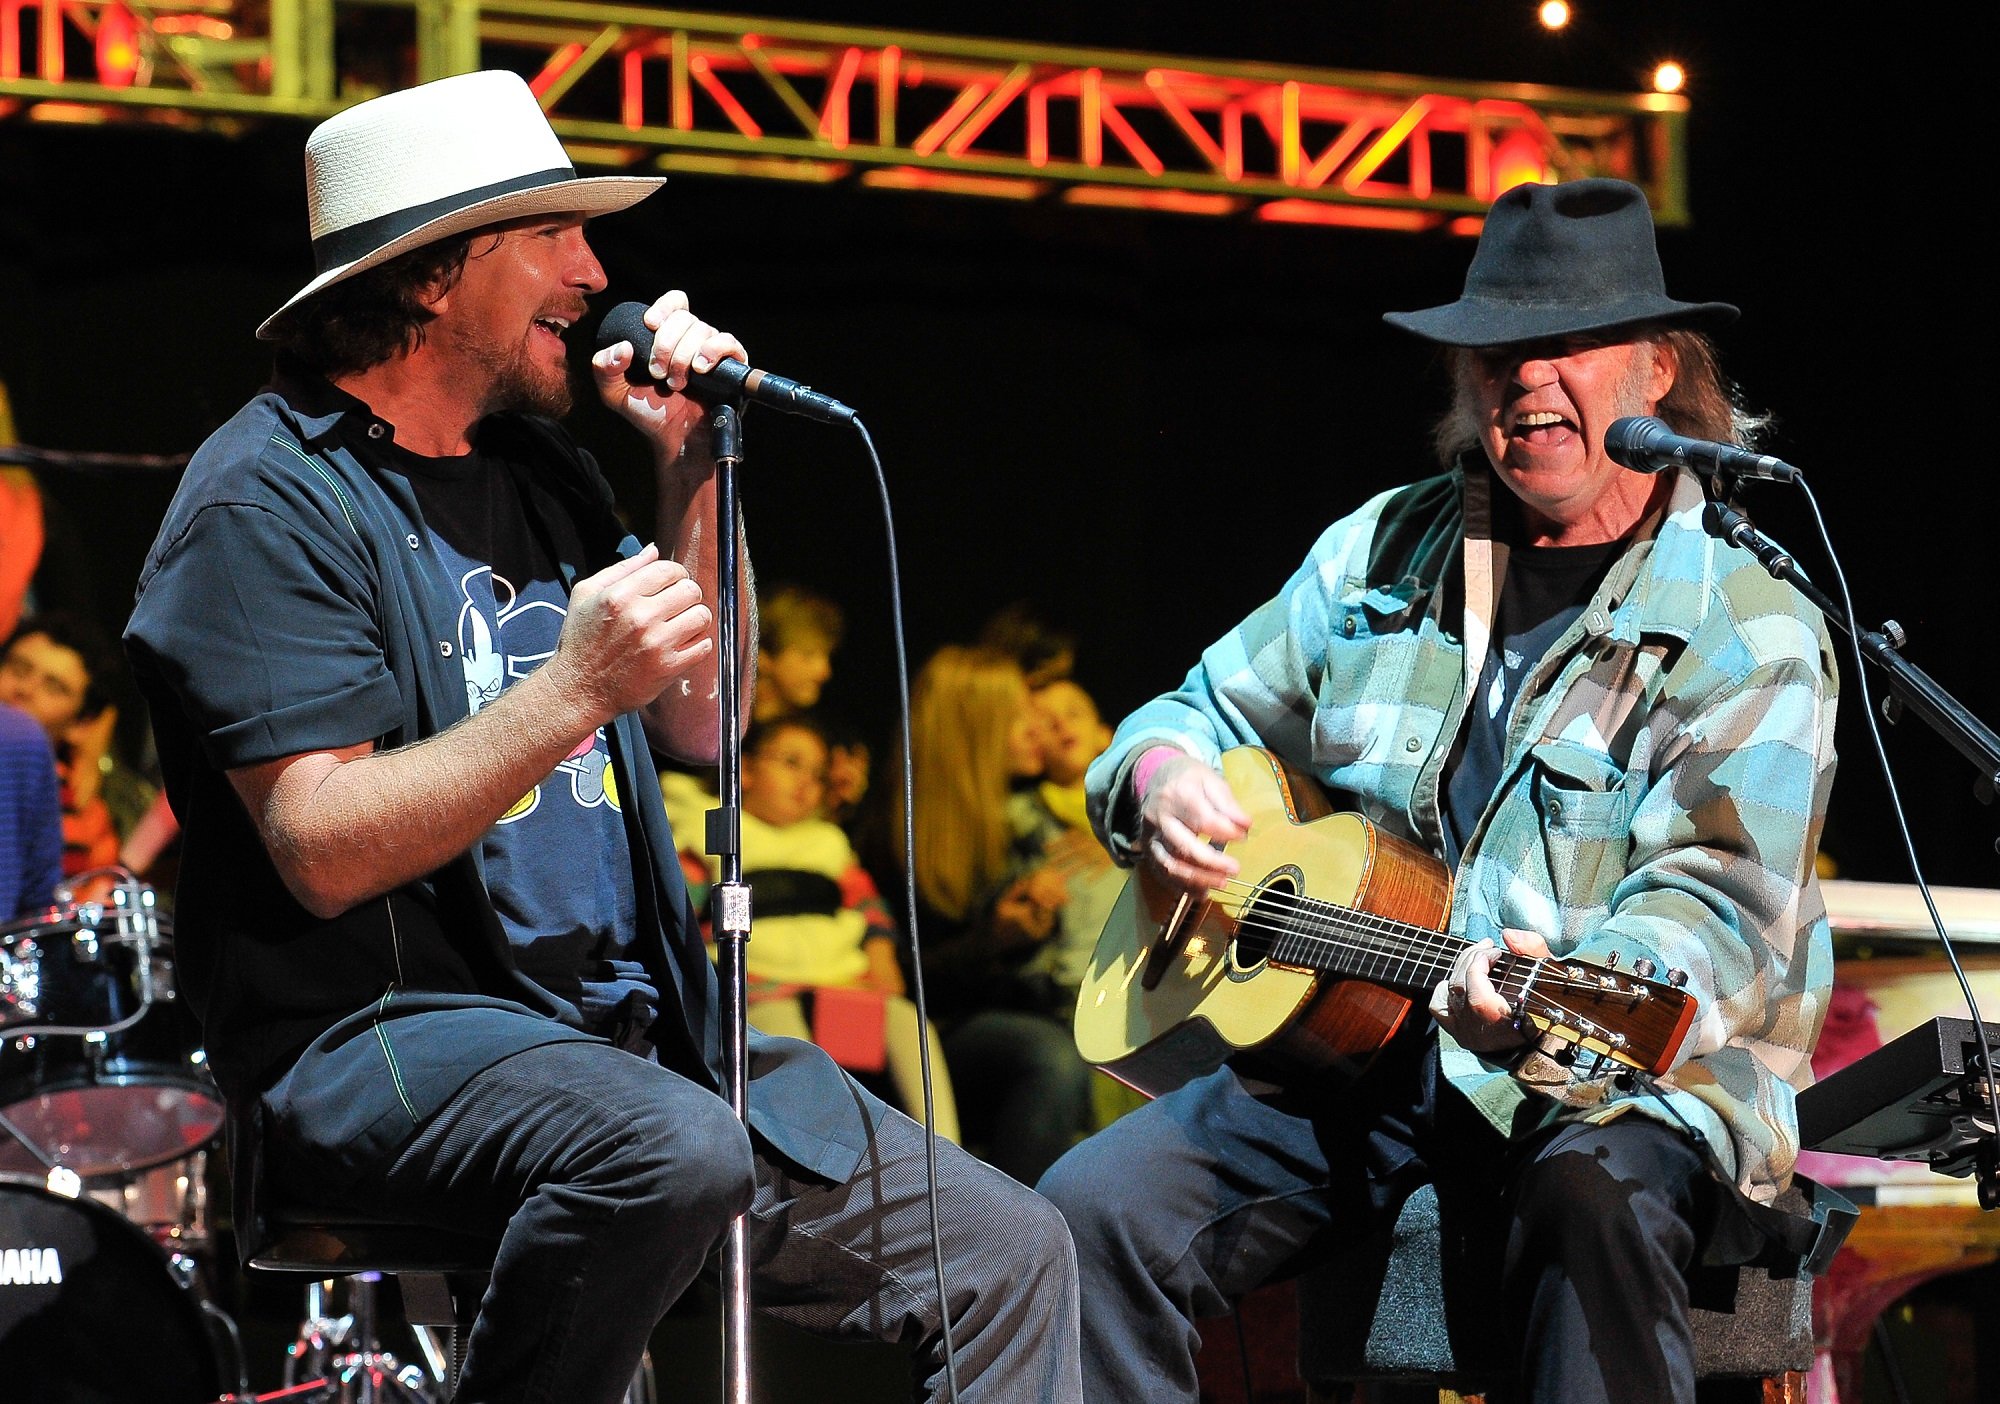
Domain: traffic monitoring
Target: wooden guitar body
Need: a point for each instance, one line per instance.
(1310, 959)
(1211, 996)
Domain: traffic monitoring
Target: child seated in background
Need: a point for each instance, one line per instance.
(1051, 816)
(822, 960)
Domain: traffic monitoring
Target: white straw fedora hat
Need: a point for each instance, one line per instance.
(412, 167)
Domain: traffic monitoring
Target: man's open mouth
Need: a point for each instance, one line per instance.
(1541, 427)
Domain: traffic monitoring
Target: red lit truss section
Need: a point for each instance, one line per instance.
(638, 88)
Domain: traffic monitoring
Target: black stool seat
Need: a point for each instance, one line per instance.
(1404, 1310)
(333, 1241)
(441, 1271)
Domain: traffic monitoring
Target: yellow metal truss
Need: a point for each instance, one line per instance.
(628, 86)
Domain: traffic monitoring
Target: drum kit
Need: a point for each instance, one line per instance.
(107, 1119)
(108, 1116)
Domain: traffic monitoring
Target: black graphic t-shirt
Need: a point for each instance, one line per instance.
(1544, 590)
(557, 864)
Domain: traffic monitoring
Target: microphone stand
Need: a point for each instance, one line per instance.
(731, 894)
(1913, 690)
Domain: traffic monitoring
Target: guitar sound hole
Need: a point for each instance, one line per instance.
(1265, 918)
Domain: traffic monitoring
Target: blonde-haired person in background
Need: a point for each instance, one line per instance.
(989, 902)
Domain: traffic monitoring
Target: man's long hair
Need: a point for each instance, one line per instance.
(365, 320)
(1703, 403)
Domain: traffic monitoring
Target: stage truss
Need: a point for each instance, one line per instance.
(637, 88)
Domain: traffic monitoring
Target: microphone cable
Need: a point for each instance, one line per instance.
(908, 779)
(1782, 567)
(1853, 628)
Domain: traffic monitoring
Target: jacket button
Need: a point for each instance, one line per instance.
(1347, 626)
(415, 544)
(375, 431)
(1413, 745)
(1555, 809)
(444, 647)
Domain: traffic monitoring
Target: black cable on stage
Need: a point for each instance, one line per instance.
(25, 456)
(910, 902)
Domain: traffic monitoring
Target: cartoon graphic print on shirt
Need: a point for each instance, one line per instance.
(517, 638)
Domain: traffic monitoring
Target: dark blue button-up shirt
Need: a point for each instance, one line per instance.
(292, 602)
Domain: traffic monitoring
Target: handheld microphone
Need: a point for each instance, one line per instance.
(1647, 445)
(727, 382)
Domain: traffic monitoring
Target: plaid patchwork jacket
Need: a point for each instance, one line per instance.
(1665, 778)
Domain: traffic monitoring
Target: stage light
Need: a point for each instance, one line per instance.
(1669, 77)
(1518, 159)
(117, 47)
(1553, 14)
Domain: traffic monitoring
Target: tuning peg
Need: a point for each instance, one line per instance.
(1643, 968)
(1611, 961)
(1677, 978)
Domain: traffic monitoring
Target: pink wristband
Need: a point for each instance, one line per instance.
(1149, 761)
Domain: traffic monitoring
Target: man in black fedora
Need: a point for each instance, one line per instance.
(408, 671)
(1538, 668)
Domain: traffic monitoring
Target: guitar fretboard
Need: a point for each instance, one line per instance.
(1339, 940)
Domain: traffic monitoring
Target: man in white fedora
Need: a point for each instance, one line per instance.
(405, 667)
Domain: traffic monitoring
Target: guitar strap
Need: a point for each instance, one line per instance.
(1485, 568)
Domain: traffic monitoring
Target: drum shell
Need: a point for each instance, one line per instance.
(90, 1311)
(170, 1202)
(102, 1103)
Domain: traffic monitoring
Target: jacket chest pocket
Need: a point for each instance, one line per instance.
(1583, 803)
(1377, 702)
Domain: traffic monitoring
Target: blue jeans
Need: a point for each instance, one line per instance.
(609, 1181)
(1183, 1206)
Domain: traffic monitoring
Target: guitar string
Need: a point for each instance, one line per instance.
(1511, 980)
(1377, 933)
(1528, 987)
(1431, 945)
(1421, 937)
(1532, 989)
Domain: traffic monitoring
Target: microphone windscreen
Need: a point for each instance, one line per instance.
(1629, 442)
(627, 322)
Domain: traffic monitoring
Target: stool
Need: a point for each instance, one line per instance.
(441, 1274)
(1395, 1310)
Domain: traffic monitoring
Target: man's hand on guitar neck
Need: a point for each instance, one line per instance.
(1469, 1008)
(1185, 809)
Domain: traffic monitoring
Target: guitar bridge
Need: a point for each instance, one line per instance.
(1172, 940)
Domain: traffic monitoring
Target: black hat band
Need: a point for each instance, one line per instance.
(343, 246)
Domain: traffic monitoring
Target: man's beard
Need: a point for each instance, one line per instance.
(515, 381)
(521, 385)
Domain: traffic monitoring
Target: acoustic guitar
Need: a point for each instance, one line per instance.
(1311, 957)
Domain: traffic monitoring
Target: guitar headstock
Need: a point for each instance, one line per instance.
(1617, 1016)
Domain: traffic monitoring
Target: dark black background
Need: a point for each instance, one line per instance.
(1139, 422)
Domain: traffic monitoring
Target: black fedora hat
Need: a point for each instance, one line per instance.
(1557, 260)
